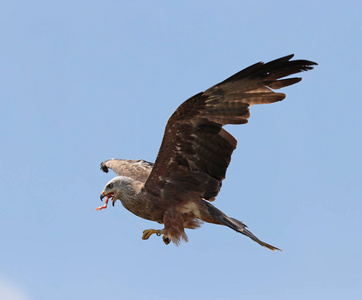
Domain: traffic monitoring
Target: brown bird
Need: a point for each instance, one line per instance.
(195, 152)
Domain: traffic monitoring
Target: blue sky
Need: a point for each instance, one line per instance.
(84, 81)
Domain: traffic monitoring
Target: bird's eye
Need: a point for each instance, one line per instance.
(110, 186)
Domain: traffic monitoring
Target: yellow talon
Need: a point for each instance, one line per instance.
(148, 232)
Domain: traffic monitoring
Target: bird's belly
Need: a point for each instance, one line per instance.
(191, 208)
(147, 212)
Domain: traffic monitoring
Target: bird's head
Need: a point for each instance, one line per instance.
(116, 188)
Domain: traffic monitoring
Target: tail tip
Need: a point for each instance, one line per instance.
(270, 247)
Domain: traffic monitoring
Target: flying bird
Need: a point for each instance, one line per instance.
(177, 190)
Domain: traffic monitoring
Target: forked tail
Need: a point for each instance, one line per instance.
(237, 225)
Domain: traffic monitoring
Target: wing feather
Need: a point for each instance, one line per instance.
(196, 150)
(136, 169)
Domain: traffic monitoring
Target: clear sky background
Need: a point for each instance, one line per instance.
(84, 81)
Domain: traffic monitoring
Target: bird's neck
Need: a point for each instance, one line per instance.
(130, 197)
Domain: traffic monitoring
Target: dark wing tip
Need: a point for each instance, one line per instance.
(312, 63)
(289, 57)
(104, 168)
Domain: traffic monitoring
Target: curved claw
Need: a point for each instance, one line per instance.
(148, 232)
(166, 239)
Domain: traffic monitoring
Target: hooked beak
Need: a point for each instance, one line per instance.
(107, 196)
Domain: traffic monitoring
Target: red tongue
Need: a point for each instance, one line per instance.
(105, 202)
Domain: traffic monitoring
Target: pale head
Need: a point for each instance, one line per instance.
(119, 187)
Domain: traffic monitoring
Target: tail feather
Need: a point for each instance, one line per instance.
(236, 225)
(241, 227)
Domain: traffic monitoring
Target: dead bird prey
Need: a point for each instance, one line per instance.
(195, 152)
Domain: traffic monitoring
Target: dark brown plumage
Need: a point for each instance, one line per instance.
(196, 151)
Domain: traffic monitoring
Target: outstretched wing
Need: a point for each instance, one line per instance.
(136, 169)
(196, 150)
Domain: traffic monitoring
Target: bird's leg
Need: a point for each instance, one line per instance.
(148, 232)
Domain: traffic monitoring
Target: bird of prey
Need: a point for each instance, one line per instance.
(177, 190)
